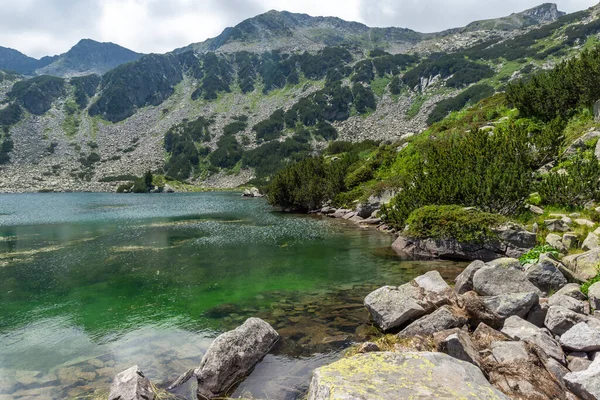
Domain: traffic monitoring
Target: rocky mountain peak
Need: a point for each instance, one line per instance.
(546, 12)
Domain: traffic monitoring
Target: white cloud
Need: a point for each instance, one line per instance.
(42, 27)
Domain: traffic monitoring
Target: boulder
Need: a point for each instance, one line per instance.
(464, 281)
(594, 296)
(507, 305)
(570, 240)
(559, 319)
(484, 336)
(518, 329)
(374, 203)
(252, 192)
(401, 376)
(510, 352)
(339, 213)
(458, 345)
(368, 347)
(585, 222)
(570, 275)
(511, 241)
(537, 314)
(557, 370)
(585, 384)
(579, 364)
(432, 281)
(493, 280)
(557, 225)
(568, 302)
(572, 290)
(232, 356)
(584, 265)
(443, 318)
(591, 242)
(581, 337)
(391, 307)
(556, 241)
(546, 277)
(131, 384)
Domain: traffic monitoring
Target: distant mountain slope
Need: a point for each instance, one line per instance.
(547, 12)
(86, 57)
(287, 31)
(222, 117)
(13, 60)
(89, 57)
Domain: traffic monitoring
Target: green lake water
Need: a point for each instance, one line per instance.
(91, 284)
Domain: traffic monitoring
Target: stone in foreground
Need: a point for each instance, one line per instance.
(131, 384)
(441, 319)
(581, 337)
(392, 307)
(585, 384)
(395, 376)
(232, 356)
(502, 278)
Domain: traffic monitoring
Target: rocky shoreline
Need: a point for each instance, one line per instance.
(505, 330)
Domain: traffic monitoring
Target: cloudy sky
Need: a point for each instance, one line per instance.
(48, 27)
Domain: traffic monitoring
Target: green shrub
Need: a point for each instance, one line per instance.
(533, 255)
(490, 172)
(577, 185)
(453, 222)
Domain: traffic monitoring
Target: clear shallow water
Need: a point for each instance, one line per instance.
(93, 283)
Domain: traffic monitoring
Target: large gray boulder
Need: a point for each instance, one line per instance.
(464, 281)
(507, 305)
(594, 296)
(557, 225)
(591, 242)
(559, 319)
(392, 307)
(518, 329)
(585, 384)
(572, 290)
(569, 302)
(458, 344)
(510, 241)
(584, 265)
(131, 384)
(546, 277)
(432, 281)
(232, 356)
(441, 319)
(499, 279)
(510, 352)
(556, 241)
(396, 376)
(581, 337)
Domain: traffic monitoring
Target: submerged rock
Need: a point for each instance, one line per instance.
(231, 357)
(395, 376)
(131, 384)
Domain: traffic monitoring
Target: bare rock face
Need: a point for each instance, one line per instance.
(395, 376)
(232, 356)
(131, 384)
(510, 241)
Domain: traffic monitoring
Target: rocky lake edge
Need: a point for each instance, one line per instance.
(515, 329)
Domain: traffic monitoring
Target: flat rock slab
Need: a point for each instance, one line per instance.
(396, 376)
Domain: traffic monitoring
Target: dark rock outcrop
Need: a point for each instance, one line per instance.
(510, 241)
